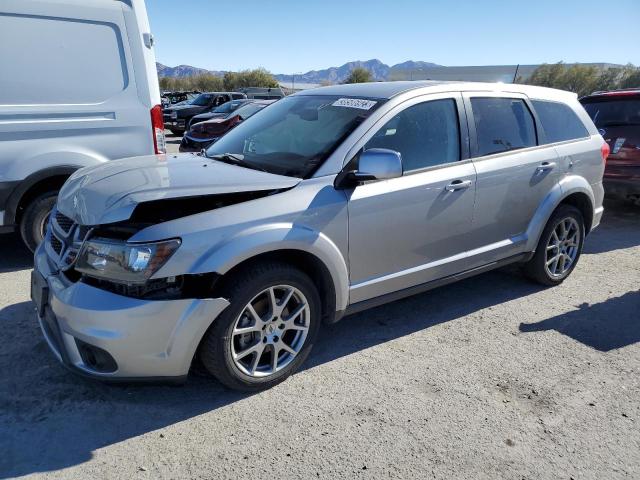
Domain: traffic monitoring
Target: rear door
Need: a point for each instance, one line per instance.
(414, 229)
(515, 173)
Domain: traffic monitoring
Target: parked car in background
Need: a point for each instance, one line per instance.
(173, 98)
(263, 93)
(82, 89)
(325, 203)
(617, 116)
(203, 134)
(177, 117)
(224, 110)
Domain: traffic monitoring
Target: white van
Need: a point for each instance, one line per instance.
(78, 87)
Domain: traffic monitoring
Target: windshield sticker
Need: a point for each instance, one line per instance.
(354, 103)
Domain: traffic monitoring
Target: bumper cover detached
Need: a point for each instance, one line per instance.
(111, 337)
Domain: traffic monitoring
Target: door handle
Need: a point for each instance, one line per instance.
(458, 185)
(545, 167)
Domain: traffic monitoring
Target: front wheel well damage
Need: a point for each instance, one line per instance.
(304, 261)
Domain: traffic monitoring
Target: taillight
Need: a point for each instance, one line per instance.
(157, 127)
(604, 151)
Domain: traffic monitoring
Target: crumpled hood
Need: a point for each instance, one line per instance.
(109, 192)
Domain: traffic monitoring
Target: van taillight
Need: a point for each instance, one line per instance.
(157, 127)
(604, 151)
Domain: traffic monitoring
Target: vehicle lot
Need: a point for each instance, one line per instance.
(493, 377)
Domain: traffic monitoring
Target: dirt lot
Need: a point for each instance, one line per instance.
(493, 377)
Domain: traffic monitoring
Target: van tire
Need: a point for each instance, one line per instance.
(34, 217)
(536, 268)
(215, 350)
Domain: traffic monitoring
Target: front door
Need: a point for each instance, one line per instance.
(413, 229)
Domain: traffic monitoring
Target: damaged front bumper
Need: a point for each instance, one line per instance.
(112, 337)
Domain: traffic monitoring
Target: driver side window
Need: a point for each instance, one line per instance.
(425, 134)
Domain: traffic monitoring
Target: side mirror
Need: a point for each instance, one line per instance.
(373, 164)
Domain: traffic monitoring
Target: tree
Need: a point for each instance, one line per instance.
(583, 79)
(258, 77)
(359, 75)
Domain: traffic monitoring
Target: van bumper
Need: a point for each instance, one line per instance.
(110, 337)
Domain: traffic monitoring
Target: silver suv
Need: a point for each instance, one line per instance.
(325, 203)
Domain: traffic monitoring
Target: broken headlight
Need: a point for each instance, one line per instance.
(122, 262)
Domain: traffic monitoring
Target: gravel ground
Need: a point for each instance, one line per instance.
(493, 377)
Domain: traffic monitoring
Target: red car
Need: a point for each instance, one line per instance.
(203, 134)
(617, 116)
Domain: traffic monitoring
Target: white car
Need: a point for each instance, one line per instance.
(78, 87)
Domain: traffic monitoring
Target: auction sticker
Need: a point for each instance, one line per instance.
(354, 103)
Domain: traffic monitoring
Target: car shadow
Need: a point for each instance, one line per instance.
(53, 419)
(14, 255)
(619, 229)
(604, 326)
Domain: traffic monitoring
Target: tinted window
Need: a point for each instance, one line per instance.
(559, 121)
(614, 112)
(295, 135)
(425, 135)
(502, 124)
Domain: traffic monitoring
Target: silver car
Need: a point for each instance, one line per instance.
(325, 203)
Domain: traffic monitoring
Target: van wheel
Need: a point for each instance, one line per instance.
(268, 330)
(559, 247)
(35, 218)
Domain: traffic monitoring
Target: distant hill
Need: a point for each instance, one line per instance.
(379, 71)
(182, 71)
(409, 70)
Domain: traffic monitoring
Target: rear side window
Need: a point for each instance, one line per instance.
(425, 134)
(502, 124)
(49, 61)
(559, 121)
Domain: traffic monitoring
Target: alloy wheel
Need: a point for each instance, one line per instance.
(563, 247)
(271, 330)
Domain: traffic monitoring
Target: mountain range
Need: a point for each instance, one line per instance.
(379, 71)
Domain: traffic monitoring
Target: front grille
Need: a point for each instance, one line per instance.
(56, 244)
(64, 222)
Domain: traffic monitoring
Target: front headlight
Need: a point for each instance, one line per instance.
(174, 114)
(124, 262)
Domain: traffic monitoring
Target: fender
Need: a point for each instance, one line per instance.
(48, 165)
(271, 238)
(567, 186)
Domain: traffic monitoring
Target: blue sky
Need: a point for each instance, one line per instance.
(291, 36)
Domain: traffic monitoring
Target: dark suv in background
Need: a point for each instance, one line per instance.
(617, 116)
(177, 118)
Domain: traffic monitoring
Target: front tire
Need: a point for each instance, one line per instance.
(35, 217)
(559, 248)
(268, 330)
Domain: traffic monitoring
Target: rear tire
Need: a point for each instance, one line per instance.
(556, 255)
(33, 224)
(265, 299)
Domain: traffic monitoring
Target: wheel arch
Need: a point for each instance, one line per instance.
(311, 251)
(37, 183)
(305, 262)
(573, 191)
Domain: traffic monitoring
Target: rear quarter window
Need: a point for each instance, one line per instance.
(59, 61)
(559, 121)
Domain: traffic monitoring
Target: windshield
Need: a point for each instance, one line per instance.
(614, 112)
(201, 100)
(247, 110)
(295, 135)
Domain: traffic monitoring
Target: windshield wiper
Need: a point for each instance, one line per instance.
(234, 159)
